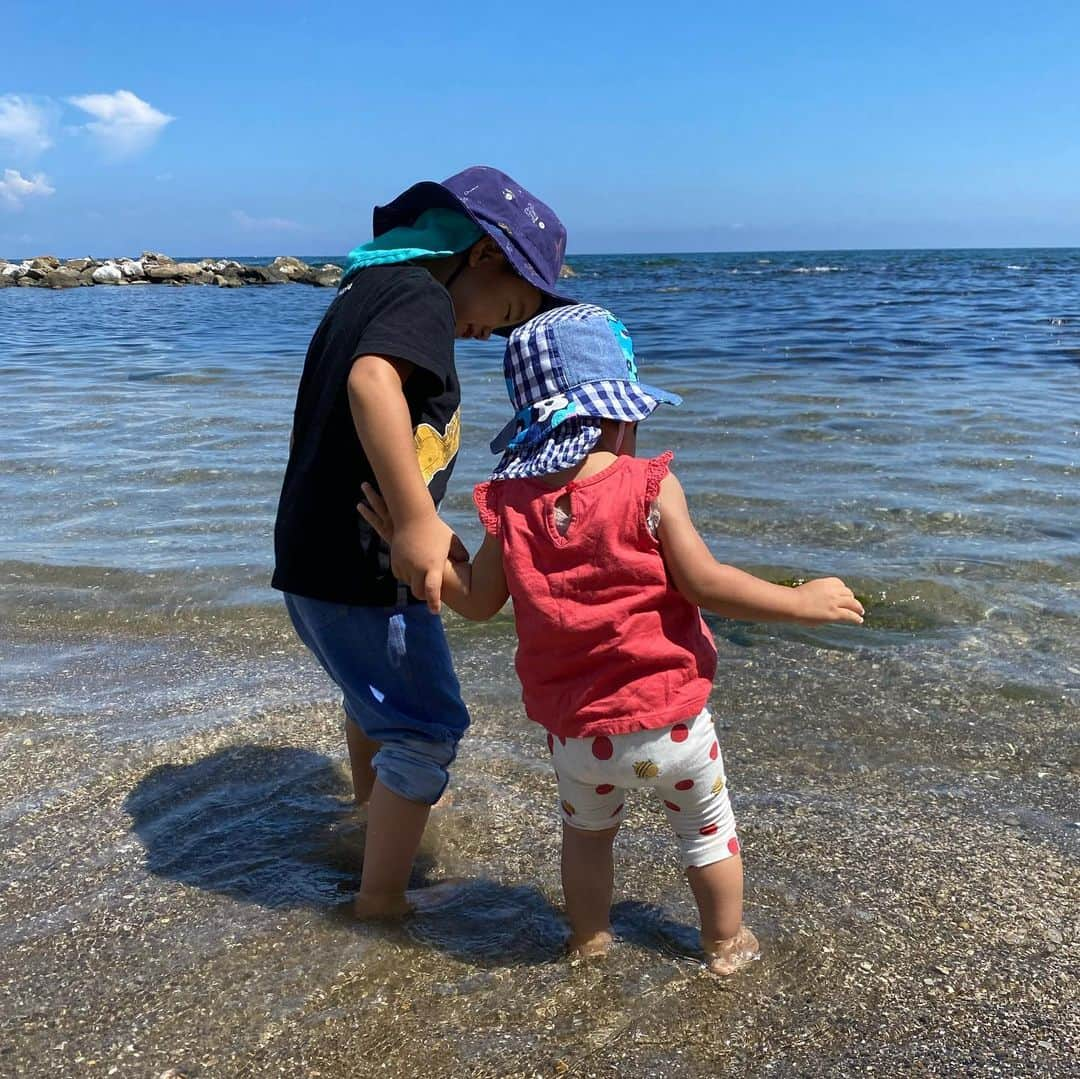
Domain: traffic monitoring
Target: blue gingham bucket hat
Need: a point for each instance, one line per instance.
(565, 370)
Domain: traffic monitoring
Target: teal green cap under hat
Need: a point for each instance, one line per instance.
(436, 233)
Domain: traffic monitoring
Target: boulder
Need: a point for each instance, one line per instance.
(223, 266)
(291, 267)
(61, 278)
(227, 282)
(12, 270)
(328, 276)
(78, 265)
(181, 272)
(132, 270)
(8, 281)
(107, 274)
(262, 275)
(154, 256)
(45, 262)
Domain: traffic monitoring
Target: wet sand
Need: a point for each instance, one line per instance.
(910, 837)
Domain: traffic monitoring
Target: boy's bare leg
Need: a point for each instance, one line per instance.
(395, 826)
(718, 891)
(361, 751)
(588, 878)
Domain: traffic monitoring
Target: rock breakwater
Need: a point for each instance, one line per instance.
(153, 268)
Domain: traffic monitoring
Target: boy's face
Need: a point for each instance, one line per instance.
(488, 295)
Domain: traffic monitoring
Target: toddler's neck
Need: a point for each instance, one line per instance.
(597, 461)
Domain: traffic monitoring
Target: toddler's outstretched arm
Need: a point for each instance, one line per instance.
(731, 592)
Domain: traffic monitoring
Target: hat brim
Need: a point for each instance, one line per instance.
(569, 446)
(623, 401)
(429, 195)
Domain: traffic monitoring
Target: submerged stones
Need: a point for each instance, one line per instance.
(155, 268)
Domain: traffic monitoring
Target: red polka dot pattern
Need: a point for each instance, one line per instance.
(715, 751)
(604, 788)
(710, 829)
(680, 732)
(672, 806)
(602, 749)
(733, 845)
(684, 785)
(618, 809)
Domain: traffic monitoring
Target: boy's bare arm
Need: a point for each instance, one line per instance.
(731, 592)
(381, 416)
(477, 590)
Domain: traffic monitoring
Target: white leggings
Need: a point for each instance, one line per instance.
(682, 763)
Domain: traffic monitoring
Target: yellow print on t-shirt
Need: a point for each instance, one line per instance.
(435, 451)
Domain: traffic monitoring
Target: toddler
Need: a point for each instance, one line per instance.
(607, 574)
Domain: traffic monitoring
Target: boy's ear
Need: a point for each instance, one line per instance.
(485, 250)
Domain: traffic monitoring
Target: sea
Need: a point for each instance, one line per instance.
(906, 420)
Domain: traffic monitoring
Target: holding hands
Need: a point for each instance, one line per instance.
(419, 548)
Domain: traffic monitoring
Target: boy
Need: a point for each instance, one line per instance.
(378, 402)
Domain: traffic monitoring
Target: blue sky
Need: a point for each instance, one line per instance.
(270, 128)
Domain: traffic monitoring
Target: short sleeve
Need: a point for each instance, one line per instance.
(487, 497)
(655, 471)
(412, 319)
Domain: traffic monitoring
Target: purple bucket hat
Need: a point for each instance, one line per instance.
(527, 230)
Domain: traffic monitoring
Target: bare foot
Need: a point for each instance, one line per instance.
(594, 946)
(724, 957)
(380, 908)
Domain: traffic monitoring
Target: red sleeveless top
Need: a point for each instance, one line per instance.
(606, 643)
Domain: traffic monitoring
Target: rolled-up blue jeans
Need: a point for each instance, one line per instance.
(393, 667)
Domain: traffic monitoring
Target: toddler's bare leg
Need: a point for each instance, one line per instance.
(361, 751)
(588, 878)
(395, 827)
(718, 890)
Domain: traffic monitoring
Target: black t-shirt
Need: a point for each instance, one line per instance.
(323, 548)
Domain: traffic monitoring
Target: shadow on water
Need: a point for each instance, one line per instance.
(275, 826)
(255, 823)
(652, 927)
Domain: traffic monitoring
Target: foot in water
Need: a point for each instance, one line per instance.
(726, 957)
(415, 901)
(595, 946)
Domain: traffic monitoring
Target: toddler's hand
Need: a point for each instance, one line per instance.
(376, 513)
(827, 599)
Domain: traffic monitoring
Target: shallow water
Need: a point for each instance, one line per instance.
(177, 831)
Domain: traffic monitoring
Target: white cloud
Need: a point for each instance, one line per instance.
(14, 187)
(26, 124)
(262, 224)
(124, 124)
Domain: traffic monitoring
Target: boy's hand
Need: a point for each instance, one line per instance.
(377, 514)
(418, 553)
(827, 599)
